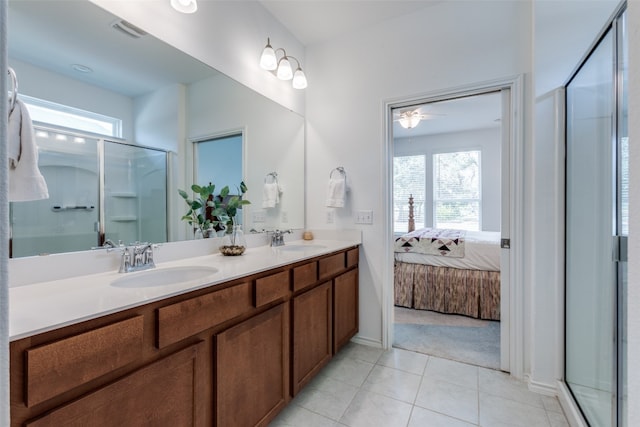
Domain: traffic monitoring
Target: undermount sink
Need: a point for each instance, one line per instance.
(300, 248)
(163, 277)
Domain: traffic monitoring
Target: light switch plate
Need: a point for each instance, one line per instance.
(364, 217)
(329, 217)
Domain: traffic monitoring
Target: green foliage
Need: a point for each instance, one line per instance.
(223, 208)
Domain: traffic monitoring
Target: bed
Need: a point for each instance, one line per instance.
(449, 271)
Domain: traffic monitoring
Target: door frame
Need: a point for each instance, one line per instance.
(512, 308)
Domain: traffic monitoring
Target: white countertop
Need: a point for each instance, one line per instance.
(44, 306)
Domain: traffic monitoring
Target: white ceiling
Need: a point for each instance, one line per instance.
(454, 115)
(56, 34)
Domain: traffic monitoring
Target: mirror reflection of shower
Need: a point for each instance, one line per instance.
(99, 189)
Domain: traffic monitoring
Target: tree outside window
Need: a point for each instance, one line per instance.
(409, 174)
(456, 190)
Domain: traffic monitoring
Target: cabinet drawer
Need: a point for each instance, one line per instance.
(192, 316)
(166, 393)
(305, 275)
(60, 366)
(352, 257)
(331, 265)
(272, 288)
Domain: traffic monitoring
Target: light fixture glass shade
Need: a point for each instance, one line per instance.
(299, 79)
(409, 119)
(268, 60)
(284, 69)
(185, 6)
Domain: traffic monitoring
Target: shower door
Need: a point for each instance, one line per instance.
(596, 218)
(67, 220)
(135, 194)
(98, 189)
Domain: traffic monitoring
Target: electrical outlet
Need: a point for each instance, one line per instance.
(259, 216)
(364, 217)
(285, 217)
(329, 217)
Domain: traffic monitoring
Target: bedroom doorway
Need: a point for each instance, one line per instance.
(450, 189)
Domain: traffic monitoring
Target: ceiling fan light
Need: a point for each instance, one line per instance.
(409, 119)
(299, 79)
(268, 60)
(284, 69)
(185, 6)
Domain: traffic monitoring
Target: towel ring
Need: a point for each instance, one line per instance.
(340, 170)
(274, 178)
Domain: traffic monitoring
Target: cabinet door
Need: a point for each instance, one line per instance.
(312, 331)
(252, 369)
(167, 392)
(345, 308)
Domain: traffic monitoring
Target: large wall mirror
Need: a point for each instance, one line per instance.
(73, 53)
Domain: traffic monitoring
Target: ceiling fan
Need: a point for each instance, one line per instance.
(409, 119)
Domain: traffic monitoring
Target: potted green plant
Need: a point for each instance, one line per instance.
(209, 212)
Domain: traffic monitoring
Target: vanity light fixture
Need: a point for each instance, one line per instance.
(185, 6)
(269, 61)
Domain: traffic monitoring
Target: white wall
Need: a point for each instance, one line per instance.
(487, 141)
(53, 87)
(453, 44)
(159, 118)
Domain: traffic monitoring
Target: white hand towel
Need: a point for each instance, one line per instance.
(270, 195)
(25, 180)
(13, 149)
(336, 192)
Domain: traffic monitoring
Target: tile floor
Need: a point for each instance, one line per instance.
(368, 387)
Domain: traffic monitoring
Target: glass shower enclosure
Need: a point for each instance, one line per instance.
(98, 189)
(596, 230)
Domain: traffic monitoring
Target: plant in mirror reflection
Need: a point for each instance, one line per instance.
(209, 212)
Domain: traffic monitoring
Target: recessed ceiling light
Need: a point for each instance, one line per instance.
(81, 68)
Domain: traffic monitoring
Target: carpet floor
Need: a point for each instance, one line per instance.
(453, 337)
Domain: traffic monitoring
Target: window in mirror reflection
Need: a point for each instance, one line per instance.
(219, 161)
(72, 118)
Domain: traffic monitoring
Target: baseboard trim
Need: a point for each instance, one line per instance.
(570, 407)
(542, 388)
(367, 341)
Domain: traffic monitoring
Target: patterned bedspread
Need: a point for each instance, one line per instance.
(433, 241)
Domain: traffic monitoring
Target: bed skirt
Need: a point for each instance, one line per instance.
(474, 293)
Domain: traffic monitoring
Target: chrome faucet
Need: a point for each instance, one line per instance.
(137, 257)
(277, 237)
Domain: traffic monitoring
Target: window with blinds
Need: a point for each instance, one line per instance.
(456, 190)
(409, 178)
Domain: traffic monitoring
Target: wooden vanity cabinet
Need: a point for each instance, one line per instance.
(232, 354)
(345, 308)
(311, 334)
(252, 369)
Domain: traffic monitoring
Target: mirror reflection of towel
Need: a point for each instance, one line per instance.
(336, 192)
(270, 195)
(25, 180)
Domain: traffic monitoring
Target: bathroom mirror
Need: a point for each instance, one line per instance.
(165, 99)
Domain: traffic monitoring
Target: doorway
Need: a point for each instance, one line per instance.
(470, 211)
